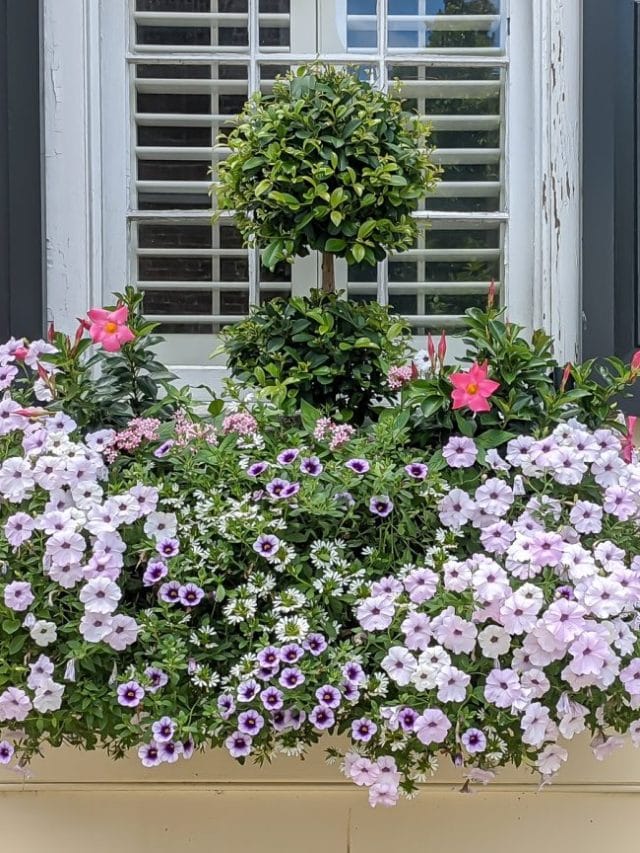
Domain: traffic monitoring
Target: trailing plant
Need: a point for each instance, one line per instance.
(323, 350)
(325, 162)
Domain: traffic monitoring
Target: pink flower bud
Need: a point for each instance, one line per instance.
(491, 296)
(442, 347)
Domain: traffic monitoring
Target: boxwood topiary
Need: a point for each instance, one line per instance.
(325, 162)
(321, 350)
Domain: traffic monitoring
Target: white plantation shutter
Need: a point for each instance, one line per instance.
(193, 63)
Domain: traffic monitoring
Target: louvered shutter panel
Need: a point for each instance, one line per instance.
(193, 63)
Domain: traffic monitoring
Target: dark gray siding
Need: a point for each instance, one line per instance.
(21, 279)
(610, 179)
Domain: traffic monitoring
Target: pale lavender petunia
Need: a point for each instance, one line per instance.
(460, 452)
(18, 595)
(432, 726)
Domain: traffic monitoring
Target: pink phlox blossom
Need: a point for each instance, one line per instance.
(398, 377)
(189, 431)
(241, 423)
(137, 431)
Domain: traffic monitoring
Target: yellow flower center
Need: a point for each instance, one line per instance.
(472, 388)
(111, 327)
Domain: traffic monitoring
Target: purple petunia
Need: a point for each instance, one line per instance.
(149, 754)
(269, 656)
(322, 717)
(18, 595)
(164, 449)
(6, 752)
(328, 695)
(170, 592)
(267, 545)
(407, 719)
(291, 677)
(282, 489)
(350, 692)
(257, 468)
(238, 744)
(190, 594)
(130, 695)
(266, 673)
(288, 456)
(280, 720)
(163, 729)
(354, 672)
(187, 748)
(248, 690)
(358, 466)
(250, 722)
(460, 452)
(315, 644)
(157, 679)
(474, 741)
(311, 466)
(291, 653)
(154, 572)
(168, 548)
(363, 730)
(417, 470)
(226, 705)
(381, 505)
(170, 751)
(272, 698)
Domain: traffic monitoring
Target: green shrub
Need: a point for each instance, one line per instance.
(322, 349)
(329, 163)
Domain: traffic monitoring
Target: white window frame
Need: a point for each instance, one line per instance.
(86, 175)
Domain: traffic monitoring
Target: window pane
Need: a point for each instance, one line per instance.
(444, 25)
(192, 23)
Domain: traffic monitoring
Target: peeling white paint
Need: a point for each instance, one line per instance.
(70, 43)
(558, 160)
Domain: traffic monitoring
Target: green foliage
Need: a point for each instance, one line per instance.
(133, 381)
(529, 399)
(98, 388)
(321, 350)
(326, 162)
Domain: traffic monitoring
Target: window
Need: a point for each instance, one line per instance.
(137, 91)
(193, 64)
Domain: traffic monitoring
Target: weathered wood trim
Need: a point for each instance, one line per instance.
(72, 143)
(556, 73)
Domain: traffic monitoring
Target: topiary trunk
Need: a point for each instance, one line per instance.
(328, 273)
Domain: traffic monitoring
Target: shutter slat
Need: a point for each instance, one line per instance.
(181, 119)
(440, 155)
(456, 156)
(462, 122)
(435, 23)
(207, 19)
(467, 189)
(158, 86)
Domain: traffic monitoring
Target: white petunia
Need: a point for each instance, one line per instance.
(48, 696)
